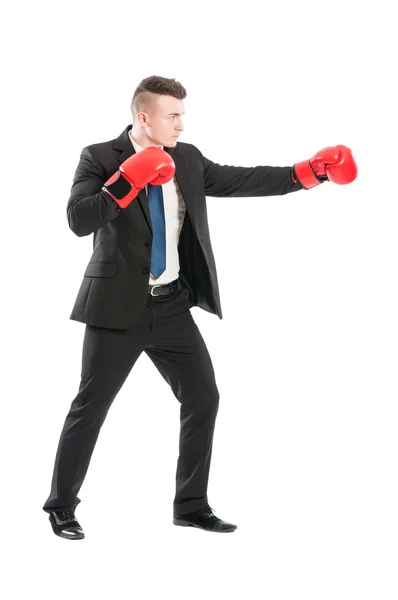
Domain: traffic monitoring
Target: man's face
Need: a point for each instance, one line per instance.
(164, 123)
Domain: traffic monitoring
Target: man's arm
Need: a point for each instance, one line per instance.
(228, 181)
(333, 163)
(88, 207)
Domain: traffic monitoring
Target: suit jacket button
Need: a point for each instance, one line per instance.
(146, 270)
(147, 243)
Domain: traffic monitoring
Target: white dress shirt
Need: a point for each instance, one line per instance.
(174, 213)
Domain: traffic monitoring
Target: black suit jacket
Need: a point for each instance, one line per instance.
(115, 284)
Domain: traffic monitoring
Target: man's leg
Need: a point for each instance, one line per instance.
(108, 356)
(181, 356)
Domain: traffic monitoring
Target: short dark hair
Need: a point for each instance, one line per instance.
(144, 98)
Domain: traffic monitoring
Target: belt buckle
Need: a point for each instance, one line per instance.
(156, 285)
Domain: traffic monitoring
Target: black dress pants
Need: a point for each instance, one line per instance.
(172, 340)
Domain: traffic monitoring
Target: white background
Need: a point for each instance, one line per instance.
(305, 448)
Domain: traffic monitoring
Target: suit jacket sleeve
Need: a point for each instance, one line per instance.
(227, 181)
(88, 207)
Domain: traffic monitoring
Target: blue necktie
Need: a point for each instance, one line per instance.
(156, 208)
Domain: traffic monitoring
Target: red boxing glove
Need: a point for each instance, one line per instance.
(335, 163)
(150, 165)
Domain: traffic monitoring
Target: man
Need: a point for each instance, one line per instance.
(143, 196)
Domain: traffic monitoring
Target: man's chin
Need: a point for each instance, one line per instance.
(171, 144)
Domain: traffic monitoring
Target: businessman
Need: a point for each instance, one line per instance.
(143, 196)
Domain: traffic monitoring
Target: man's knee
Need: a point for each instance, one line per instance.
(203, 400)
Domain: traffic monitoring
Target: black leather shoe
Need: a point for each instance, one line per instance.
(65, 525)
(204, 519)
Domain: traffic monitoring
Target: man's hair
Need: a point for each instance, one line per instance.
(145, 95)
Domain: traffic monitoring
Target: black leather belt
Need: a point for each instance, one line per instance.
(163, 289)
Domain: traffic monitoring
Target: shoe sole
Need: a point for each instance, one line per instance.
(181, 523)
(68, 537)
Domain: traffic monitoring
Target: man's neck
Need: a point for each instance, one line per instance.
(141, 144)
